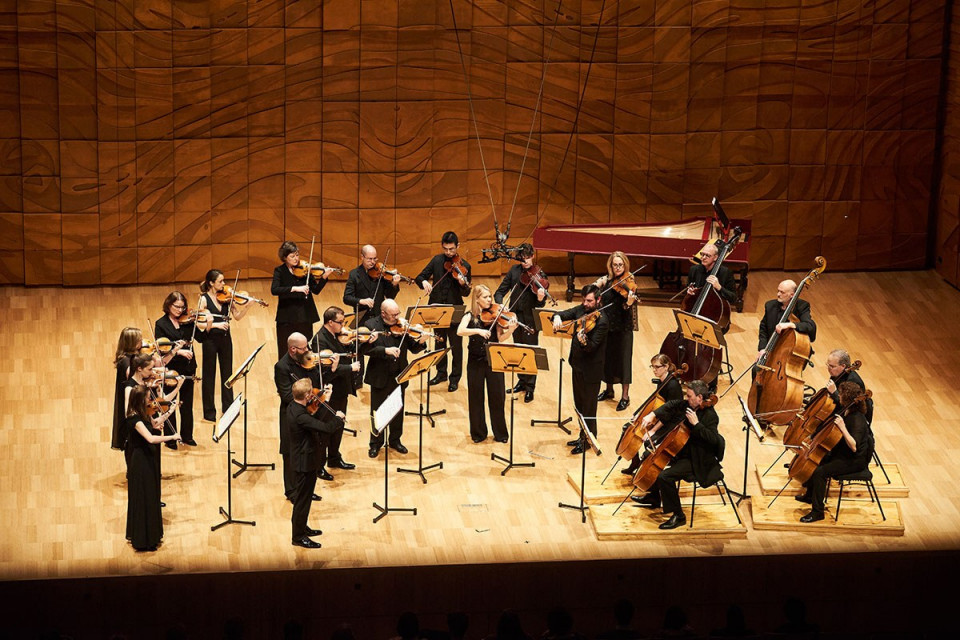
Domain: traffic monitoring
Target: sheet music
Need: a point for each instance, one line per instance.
(228, 417)
(388, 409)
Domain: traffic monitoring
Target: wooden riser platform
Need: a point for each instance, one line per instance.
(856, 516)
(618, 486)
(771, 483)
(712, 520)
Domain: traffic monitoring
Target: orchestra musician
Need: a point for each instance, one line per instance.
(181, 359)
(586, 360)
(142, 374)
(365, 293)
(218, 346)
(479, 372)
(444, 287)
(850, 455)
(773, 311)
(296, 310)
(338, 374)
(838, 362)
(723, 283)
(286, 371)
(387, 358)
(699, 459)
(621, 313)
(523, 300)
(662, 366)
(305, 427)
(128, 345)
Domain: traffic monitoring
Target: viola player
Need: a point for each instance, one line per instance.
(218, 347)
(621, 313)
(524, 298)
(296, 310)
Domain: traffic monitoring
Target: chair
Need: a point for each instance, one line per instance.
(720, 485)
(864, 478)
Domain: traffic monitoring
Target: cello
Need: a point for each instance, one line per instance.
(631, 441)
(703, 362)
(706, 302)
(815, 449)
(820, 407)
(778, 385)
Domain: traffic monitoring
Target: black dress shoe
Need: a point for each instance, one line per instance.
(646, 501)
(306, 543)
(313, 532)
(340, 464)
(373, 452)
(573, 443)
(517, 388)
(676, 520)
(163, 504)
(477, 440)
(170, 445)
(606, 394)
(452, 386)
(212, 418)
(804, 498)
(627, 472)
(437, 379)
(528, 396)
(577, 450)
(399, 448)
(191, 442)
(315, 497)
(813, 516)
(323, 474)
(623, 404)
(503, 439)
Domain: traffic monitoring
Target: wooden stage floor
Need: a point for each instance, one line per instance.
(63, 495)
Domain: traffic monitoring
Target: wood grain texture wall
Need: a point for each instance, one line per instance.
(948, 203)
(148, 140)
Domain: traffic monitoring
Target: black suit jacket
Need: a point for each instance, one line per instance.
(588, 358)
(446, 288)
(360, 285)
(523, 300)
(295, 308)
(304, 429)
(705, 447)
(285, 372)
(772, 313)
(697, 277)
(382, 369)
(342, 378)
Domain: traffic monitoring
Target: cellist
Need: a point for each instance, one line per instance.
(850, 455)
(698, 460)
(773, 311)
(662, 367)
(838, 363)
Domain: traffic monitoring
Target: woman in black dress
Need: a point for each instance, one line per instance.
(144, 522)
(128, 345)
(218, 345)
(142, 374)
(621, 313)
(662, 366)
(479, 373)
(180, 359)
(296, 310)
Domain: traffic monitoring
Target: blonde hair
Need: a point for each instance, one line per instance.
(302, 388)
(626, 265)
(127, 344)
(475, 299)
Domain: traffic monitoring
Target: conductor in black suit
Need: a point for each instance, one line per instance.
(305, 427)
(285, 372)
(773, 311)
(586, 360)
(296, 311)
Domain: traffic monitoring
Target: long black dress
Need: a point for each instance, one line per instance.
(117, 439)
(618, 362)
(144, 522)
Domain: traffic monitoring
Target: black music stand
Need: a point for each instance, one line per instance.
(749, 424)
(433, 317)
(419, 367)
(241, 373)
(543, 320)
(380, 422)
(595, 447)
(513, 359)
(226, 421)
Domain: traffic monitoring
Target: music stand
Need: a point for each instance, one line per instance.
(595, 447)
(433, 317)
(543, 320)
(514, 358)
(241, 373)
(699, 329)
(380, 422)
(419, 367)
(223, 426)
(749, 424)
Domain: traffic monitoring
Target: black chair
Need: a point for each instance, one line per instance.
(864, 478)
(721, 489)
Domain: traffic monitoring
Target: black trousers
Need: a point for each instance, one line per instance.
(286, 464)
(479, 374)
(377, 396)
(585, 399)
(817, 484)
(449, 338)
(186, 413)
(329, 450)
(302, 499)
(666, 490)
(284, 329)
(527, 382)
(216, 348)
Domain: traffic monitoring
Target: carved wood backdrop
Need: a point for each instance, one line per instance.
(149, 140)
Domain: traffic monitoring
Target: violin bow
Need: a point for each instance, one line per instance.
(163, 375)
(623, 279)
(309, 263)
(376, 290)
(236, 281)
(406, 327)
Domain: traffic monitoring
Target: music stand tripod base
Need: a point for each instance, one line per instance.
(545, 326)
(386, 508)
(512, 358)
(593, 446)
(419, 367)
(230, 416)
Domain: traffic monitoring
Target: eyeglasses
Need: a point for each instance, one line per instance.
(658, 366)
(340, 321)
(178, 306)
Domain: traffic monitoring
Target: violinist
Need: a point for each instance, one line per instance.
(850, 455)
(524, 298)
(621, 313)
(296, 311)
(181, 359)
(339, 374)
(128, 346)
(365, 293)
(286, 371)
(446, 279)
(662, 366)
(479, 372)
(586, 360)
(723, 283)
(388, 357)
(838, 366)
(304, 428)
(699, 459)
(142, 375)
(218, 347)
(773, 311)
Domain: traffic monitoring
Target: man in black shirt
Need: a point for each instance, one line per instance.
(445, 287)
(723, 283)
(285, 372)
(364, 294)
(523, 300)
(837, 364)
(773, 311)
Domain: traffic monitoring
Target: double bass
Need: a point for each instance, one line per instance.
(703, 362)
(777, 390)
(820, 407)
(707, 303)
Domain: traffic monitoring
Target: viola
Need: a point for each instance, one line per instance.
(496, 313)
(171, 377)
(536, 279)
(158, 405)
(414, 331)
(192, 315)
(239, 297)
(309, 360)
(316, 269)
(631, 440)
(379, 270)
(163, 346)
(315, 401)
(363, 335)
(820, 407)
(457, 269)
(815, 449)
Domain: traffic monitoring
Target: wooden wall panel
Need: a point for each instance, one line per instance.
(147, 140)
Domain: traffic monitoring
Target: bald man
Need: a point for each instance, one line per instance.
(723, 283)
(773, 311)
(387, 358)
(285, 372)
(362, 292)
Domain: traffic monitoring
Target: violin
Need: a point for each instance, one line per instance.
(309, 360)
(158, 405)
(457, 269)
(503, 318)
(163, 346)
(315, 401)
(815, 449)
(316, 269)
(326, 357)
(631, 440)
(363, 335)
(625, 286)
(414, 331)
(378, 270)
(585, 324)
(239, 297)
(171, 377)
(192, 315)
(820, 407)
(536, 279)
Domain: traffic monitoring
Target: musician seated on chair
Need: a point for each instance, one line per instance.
(851, 455)
(699, 459)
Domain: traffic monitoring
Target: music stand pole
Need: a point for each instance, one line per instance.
(420, 468)
(493, 456)
(434, 318)
(543, 324)
(583, 479)
(560, 421)
(228, 512)
(247, 465)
